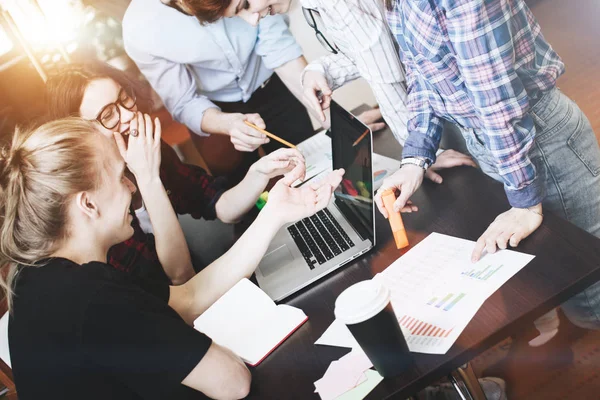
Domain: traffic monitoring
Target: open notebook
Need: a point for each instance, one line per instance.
(248, 322)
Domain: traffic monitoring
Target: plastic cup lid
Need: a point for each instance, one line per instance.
(361, 301)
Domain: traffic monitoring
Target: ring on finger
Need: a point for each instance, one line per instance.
(134, 132)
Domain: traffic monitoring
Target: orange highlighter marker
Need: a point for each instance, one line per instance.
(395, 219)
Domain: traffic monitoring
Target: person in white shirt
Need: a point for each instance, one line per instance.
(361, 47)
(213, 76)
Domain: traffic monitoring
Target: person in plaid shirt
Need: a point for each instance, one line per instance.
(101, 93)
(485, 65)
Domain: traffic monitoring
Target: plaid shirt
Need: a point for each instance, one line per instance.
(480, 64)
(191, 191)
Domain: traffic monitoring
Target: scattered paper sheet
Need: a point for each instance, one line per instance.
(343, 375)
(436, 291)
(317, 155)
(338, 335)
(372, 379)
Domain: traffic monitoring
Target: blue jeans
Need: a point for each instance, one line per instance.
(566, 155)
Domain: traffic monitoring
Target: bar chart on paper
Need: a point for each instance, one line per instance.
(482, 274)
(447, 302)
(436, 290)
(420, 329)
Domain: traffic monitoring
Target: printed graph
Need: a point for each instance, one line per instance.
(379, 175)
(482, 274)
(446, 302)
(421, 328)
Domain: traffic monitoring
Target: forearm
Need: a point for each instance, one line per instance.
(424, 126)
(337, 69)
(290, 74)
(200, 292)
(425, 132)
(215, 122)
(170, 243)
(240, 199)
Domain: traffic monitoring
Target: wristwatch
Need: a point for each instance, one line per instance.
(422, 162)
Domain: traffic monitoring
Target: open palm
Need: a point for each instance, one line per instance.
(281, 162)
(292, 204)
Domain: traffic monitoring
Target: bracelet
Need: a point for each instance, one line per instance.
(535, 212)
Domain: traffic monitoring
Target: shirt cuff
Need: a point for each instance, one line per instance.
(193, 113)
(410, 151)
(528, 196)
(210, 213)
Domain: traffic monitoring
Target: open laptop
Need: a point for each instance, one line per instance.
(309, 249)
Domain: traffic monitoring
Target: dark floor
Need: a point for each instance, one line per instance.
(570, 370)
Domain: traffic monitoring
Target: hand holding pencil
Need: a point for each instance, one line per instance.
(269, 134)
(245, 137)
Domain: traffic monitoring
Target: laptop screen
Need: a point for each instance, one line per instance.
(351, 143)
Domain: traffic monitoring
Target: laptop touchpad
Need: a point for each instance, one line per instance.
(276, 259)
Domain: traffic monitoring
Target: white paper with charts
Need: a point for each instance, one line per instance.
(436, 290)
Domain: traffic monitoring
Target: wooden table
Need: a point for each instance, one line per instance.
(567, 261)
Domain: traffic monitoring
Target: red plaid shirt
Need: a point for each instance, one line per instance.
(191, 191)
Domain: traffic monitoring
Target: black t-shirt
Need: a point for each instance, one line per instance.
(92, 332)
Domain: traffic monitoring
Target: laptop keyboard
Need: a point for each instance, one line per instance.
(320, 238)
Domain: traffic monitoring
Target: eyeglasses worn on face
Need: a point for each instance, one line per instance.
(309, 16)
(110, 115)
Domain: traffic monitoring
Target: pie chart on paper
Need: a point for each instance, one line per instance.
(379, 175)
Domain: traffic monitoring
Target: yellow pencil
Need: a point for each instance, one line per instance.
(269, 134)
(360, 138)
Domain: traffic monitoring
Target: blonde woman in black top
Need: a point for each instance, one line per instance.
(79, 328)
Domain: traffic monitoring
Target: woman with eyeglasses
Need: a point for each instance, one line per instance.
(112, 99)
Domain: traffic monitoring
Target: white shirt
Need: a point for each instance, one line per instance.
(189, 64)
(366, 49)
